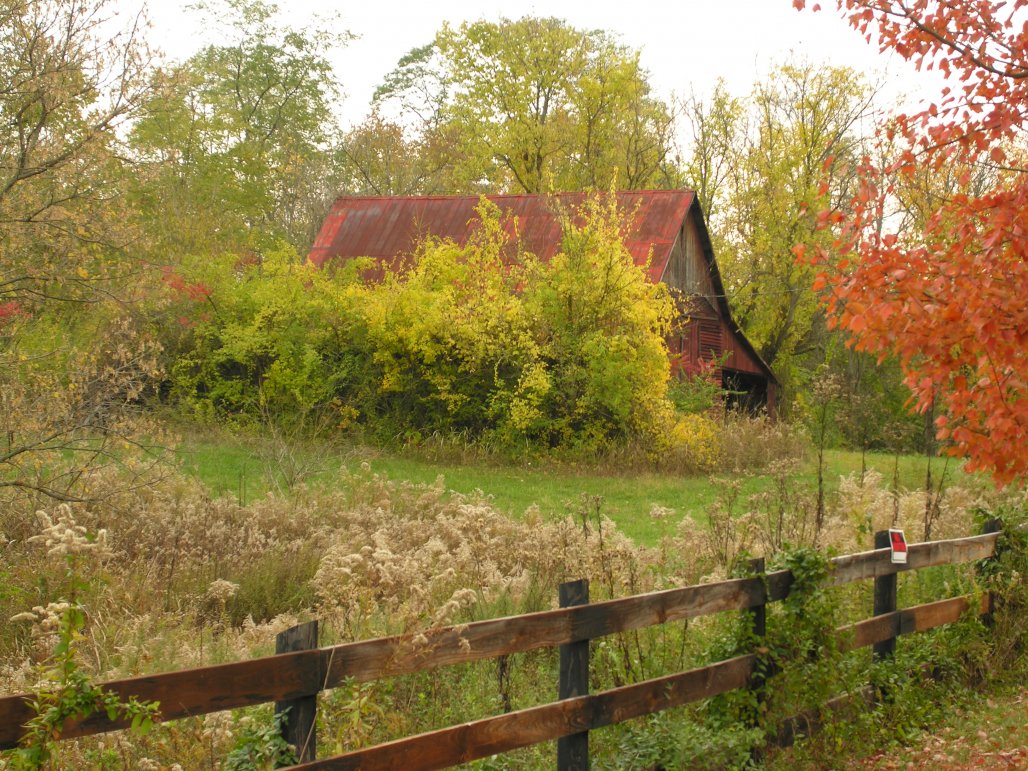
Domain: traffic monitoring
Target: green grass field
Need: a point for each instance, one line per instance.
(247, 468)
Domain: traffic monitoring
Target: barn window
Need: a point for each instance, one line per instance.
(710, 340)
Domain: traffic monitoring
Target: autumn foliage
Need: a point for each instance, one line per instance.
(950, 299)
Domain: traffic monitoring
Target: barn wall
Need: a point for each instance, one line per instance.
(740, 358)
(687, 268)
(707, 332)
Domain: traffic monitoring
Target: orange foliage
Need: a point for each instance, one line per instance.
(952, 302)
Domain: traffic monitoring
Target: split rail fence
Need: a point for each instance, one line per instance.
(295, 676)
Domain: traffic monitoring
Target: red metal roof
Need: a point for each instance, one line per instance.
(389, 228)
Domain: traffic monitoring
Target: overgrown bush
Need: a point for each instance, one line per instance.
(72, 394)
(694, 444)
(754, 443)
(602, 326)
(262, 338)
(700, 391)
(479, 337)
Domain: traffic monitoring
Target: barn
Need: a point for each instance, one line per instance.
(667, 230)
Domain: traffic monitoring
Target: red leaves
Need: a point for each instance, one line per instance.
(953, 312)
(828, 217)
(10, 310)
(951, 307)
(196, 292)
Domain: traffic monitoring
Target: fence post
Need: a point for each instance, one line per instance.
(991, 526)
(573, 751)
(885, 599)
(758, 613)
(758, 623)
(299, 726)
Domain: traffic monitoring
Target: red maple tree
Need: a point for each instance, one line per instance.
(952, 302)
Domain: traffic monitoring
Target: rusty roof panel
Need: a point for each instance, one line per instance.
(388, 229)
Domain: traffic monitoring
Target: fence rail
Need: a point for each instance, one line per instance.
(482, 738)
(299, 675)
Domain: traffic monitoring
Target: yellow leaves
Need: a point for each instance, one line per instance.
(694, 440)
(570, 350)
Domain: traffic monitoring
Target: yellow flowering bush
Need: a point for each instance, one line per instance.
(478, 338)
(694, 443)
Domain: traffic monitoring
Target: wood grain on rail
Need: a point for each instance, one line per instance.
(482, 738)
(872, 564)
(488, 639)
(188, 692)
(918, 618)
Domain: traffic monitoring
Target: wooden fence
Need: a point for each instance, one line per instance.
(300, 671)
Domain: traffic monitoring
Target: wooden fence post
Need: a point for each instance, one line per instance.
(758, 623)
(573, 751)
(299, 726)
(885, 599)
(991, 526)
(758, 612)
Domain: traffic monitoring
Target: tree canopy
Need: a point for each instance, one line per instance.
(236, 139)
(950, 301)
(534, 105)
(763, 165)
(73, 354)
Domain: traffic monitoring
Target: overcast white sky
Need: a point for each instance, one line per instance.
(686, 45)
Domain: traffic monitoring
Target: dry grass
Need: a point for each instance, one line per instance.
(182, 579)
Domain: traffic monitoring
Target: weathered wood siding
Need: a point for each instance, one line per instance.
(687, 269)
(706, 332)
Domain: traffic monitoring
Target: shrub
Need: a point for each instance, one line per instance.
(479, 337)
(699, 391)
(449, 340)
(263, 337)
(601, 326)
(694, 444)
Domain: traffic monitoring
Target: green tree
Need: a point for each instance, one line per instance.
(601, 326)
(764, 167)
(535, 105)
(65, 91)
(715, 125)
(237, 138)
(450, 340)
(381, 157)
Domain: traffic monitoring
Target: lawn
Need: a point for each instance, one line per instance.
(231, 464)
